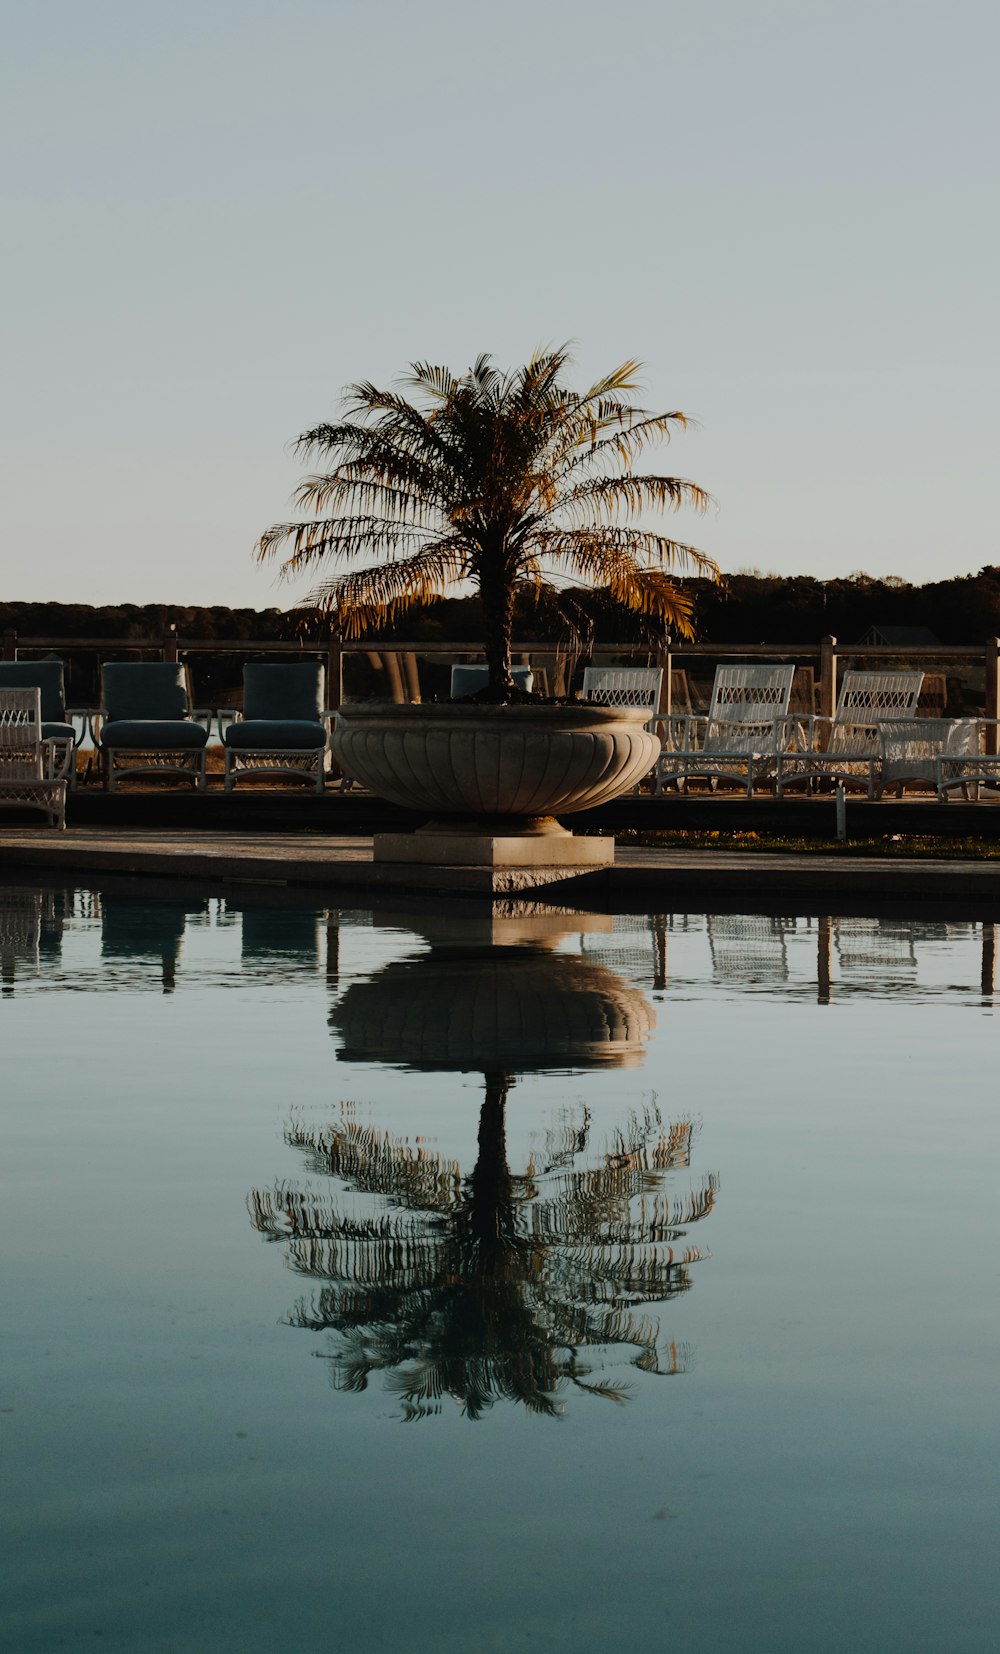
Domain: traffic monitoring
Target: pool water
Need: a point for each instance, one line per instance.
(414, 1281)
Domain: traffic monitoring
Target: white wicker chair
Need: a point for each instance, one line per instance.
(971, 764)
(626, 686)
(28, 777)
(739, 740)
(846, 748)
(912, 750)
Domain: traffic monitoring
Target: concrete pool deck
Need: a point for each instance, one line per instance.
(656, 877)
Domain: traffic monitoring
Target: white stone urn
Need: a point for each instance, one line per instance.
(513, 767)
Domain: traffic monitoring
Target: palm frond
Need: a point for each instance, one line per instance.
(373, 596)
(589, 552)
(609, 497)
(485, 477)
(339, 538)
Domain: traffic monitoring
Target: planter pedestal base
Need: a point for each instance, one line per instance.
(441, 845)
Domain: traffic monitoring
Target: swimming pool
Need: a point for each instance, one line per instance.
(414, 1280)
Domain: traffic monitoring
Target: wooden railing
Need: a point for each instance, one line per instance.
(399, 657)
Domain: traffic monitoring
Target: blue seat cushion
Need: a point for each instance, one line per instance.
(154, 734)
(58, 732)
(275, 735)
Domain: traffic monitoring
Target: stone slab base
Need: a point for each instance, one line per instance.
(549, 851)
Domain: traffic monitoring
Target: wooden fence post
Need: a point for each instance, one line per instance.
(170, 647)
(989, 977)
(992, 691)
(9, 646)
(824, 959)
(827, 677)
(334, 675)
(665, 661)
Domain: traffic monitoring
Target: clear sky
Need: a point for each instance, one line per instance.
(219, 213)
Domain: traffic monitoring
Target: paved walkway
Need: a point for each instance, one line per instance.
(657, 877)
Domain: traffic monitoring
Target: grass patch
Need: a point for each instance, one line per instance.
(890, 845)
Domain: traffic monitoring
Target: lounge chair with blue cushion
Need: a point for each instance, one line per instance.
(284, 729)
(146, 723)
(466, 680)
(47, 677)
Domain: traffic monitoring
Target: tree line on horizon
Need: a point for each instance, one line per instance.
(747, 607)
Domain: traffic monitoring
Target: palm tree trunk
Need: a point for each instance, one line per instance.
(491, 1183)
(497, 596)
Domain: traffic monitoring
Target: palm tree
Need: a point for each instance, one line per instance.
(489, 1285)
(512, 482)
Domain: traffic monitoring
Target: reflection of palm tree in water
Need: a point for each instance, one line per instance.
(490, 1285)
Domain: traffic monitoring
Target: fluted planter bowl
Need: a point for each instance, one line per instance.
(514, 762)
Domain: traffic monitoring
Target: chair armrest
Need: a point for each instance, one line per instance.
(224, 717)
(679, 730)
(57, 756)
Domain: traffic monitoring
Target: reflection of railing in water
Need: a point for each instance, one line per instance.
(638, 946)
(850, 956)
(829, 956)
(31, 924)
(149, 932)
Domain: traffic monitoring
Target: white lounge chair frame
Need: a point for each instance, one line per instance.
(971, 766)
(739, 740)
(911, 750)
(126, 761)
(287, 763)
(846, 748)
(28, 778)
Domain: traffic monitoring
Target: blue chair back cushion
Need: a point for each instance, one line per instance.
(153, 734)
(465, 680)
(46, 675)
(145, 689)
(285, 693)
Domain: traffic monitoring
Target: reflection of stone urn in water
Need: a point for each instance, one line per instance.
(490, 1284)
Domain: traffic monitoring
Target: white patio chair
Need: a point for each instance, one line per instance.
(910, 750)
(28, 778)
(846, 748)
(626, 686)
(739, 740)
(970, 766)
